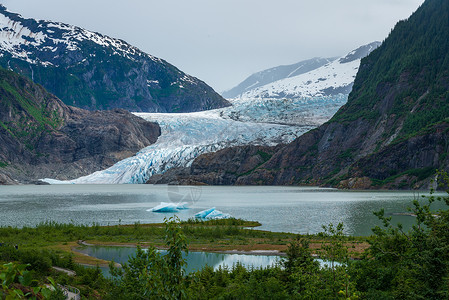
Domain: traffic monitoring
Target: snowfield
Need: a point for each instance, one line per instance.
(334, 76)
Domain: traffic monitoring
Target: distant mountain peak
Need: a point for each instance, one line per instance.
(360, 52)
(45, 36)
(268, 76)
(329, 78)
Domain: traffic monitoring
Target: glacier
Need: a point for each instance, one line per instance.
(185, 136)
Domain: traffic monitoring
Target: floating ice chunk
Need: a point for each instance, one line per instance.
(216, 215)
(212, 214)
(169, 207)
(182, 205)
(203, 214)
(164, 207)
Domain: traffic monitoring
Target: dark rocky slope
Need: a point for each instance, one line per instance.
(224, 167)
(92, 71)
(42, 137)
(393, 132)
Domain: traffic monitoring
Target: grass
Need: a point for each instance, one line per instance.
(214, 235)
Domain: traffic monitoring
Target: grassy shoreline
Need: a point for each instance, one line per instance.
(232, 235)
(223, 236)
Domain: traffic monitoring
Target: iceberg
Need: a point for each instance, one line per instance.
(182, 205)
(169, 207)
(202, 214)
(217, 215)
(212, 214)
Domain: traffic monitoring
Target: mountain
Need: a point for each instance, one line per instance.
(93, 71)
(274, 74)
(393, 131)
(331, 79)
(42, 137)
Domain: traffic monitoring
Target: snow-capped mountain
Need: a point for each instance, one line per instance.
(333, 78)
(94, 71)
(274, 74)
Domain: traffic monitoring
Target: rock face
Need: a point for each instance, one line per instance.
(224, 167)
(393, 131)
(92, 71)
(42, 137)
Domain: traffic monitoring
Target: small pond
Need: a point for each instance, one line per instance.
(195, 260)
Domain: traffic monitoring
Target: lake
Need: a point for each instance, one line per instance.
(289, 209)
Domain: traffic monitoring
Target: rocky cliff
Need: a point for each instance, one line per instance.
(93, 71)
(42, 137)
(393, 131)
(224, 167)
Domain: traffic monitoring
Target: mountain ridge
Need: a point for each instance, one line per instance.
(93, 71)
(270, 75)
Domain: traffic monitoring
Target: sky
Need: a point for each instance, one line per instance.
(224, 41)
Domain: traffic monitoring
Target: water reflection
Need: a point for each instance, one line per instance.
(195, 260)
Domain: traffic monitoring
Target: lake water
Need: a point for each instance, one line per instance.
(195, 260)
(290, 209)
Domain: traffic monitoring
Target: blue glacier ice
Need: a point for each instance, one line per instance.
(202, 214)
(182, 205)
(169, 207)
(185, 136)
(212, 214)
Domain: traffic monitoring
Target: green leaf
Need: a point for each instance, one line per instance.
(26, 278)
(51, 281)
(46, 293)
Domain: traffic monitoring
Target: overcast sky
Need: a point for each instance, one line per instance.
(224, 41)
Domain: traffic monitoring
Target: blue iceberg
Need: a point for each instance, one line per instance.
(182, 205)
(168, 207)
(203, 214)
(212, 214)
